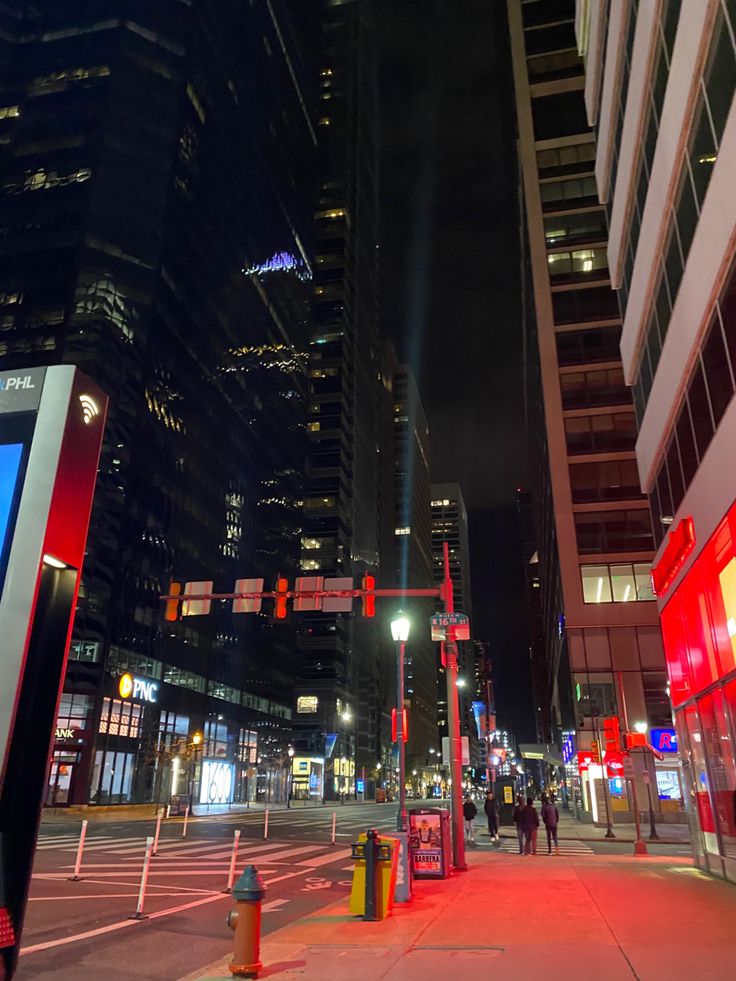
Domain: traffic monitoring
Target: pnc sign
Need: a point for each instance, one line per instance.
(131, 687)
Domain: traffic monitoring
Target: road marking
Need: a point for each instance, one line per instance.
(319, 860)
(112, 927)
(274, 905)
(114, 895)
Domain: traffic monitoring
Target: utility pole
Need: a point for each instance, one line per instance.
(453, 725)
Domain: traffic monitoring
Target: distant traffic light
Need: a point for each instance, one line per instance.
(404, 726)
(368, 602)
(172, 606)
(280, 601)
(612, 734)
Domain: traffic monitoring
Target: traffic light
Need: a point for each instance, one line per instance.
(404, 726)
(279, 603)
(171, 611)
(612, 734)
(368, 602)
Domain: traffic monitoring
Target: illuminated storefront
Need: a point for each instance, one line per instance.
(699, 627)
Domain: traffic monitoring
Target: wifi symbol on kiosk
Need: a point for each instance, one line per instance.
(89, 408)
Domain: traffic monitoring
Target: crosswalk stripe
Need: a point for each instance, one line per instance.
(286, 853)
(327, 859)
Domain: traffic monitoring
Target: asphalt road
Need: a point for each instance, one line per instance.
(80, 931)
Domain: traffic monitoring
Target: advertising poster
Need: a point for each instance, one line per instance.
(426, 844)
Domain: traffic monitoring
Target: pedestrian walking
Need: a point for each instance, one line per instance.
(551, 817)
(529, 822)
(490, 806)
(517, 821)
(470, 812)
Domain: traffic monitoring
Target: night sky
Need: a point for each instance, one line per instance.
(451, 295)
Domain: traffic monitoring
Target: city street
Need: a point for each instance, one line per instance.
(77, 930)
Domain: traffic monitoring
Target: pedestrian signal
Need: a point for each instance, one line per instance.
(369, 599)
(171, 611)
(279, 604)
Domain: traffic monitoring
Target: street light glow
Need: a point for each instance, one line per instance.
(461, 682)
(641, 727)
(400, 626)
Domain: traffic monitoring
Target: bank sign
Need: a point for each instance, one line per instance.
(142, 689)
(664, 740)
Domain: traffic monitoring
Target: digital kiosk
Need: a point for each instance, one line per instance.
(51, 425)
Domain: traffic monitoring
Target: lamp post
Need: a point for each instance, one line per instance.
(347, 716)
(400, 627)
(290, 780)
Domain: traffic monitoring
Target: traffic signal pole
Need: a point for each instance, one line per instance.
(453, 725)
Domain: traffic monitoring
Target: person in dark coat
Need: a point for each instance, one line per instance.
(517, 821)
(491, 808)
(469, 814)
(551, 817)
(529, 822)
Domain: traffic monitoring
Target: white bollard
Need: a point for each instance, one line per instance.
(233, 860)
(80, 849)
(265, 824)
(144, 880)
(186, 818)
(168, 811)
(158, 831)
(334, 826)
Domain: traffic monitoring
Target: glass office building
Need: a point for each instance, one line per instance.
(155, 229)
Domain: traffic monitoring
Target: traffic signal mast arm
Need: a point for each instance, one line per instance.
(305, 594)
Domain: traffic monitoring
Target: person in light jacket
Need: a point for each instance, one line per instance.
(529, 824)
(551, 817)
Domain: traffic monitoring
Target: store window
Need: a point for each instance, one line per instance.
(215, 739)
(700, 790)
(120, 718)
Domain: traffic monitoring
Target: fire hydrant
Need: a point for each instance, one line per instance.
(245, 920)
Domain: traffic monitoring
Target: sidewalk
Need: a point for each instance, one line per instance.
(583, 831)
(611, 918)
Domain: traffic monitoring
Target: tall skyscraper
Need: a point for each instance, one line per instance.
(412, 530)
(603, 531)
(660, 84)
(156, 226)
(338, 716)
(450, 524)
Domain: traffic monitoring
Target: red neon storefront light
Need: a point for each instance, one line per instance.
(680, 543)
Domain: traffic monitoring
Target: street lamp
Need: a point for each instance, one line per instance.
(400, 627)
(290, 783)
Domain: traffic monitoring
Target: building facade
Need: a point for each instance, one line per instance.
(412, 529)
(339, 711)
(660, 84)
(450, 525)
(603, 530)
(156, 227)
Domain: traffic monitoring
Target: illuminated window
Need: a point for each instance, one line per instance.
(9, 112)
(309, 565)
(403, 531)
(313, 427)
(307, 704)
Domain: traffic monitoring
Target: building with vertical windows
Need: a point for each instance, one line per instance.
(603, 530)
(338, 672)
(660, 84)
(155, 229)
(412, 530)
(450, 524)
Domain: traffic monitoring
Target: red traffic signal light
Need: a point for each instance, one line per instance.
(612, 734)
(171, 612)
(279, 603)
(368, 603)
(404, 726)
